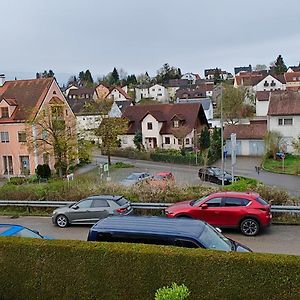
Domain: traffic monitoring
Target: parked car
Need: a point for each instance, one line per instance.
(135, 178)
(214, 174)
(162, 231)
(162, 180)
(246, 211)
(91, 209)
(20, 231)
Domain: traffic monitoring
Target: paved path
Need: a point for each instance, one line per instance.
(188, 174)
(276, 239)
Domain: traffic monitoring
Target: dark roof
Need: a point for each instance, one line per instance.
(190, 112)
(27, 95)
(295, 68)
(205, 102)
(177, 83)
(155, 225)
(82, 91)
(193, 91)
(284, 103)
(122, 105)
(262, 95)
(254, 131)
(242, 69)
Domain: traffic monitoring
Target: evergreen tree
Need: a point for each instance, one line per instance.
(88, 77)
(204, 141)
(50, 73)
(280, 66)
(115, 77)
(37, 75)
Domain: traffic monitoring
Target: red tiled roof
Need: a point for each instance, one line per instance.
(189, 112)
(262, 95)
(252, 131)
(292, 77)
(27, 95)
(284, 103)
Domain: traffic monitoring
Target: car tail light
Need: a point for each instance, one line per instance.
(121, 210)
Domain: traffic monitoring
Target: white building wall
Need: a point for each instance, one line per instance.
(127, 141)
(277, 85)
(86, 125)
(262, 108)
(159, 92)
(288, 132)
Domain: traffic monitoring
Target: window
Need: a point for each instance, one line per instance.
(85, 203)
(179, 141)
(235, 202)
(176, 123)
(187, 141)
(149, 126)
(66, 112)
(57, 111)
(167, 140)
(153, 90)
(4, 137)
(54, 92)
(186, 244)
(8, 166)
(159, 89)
(4, 112)
(22, 136)
(286, 121)
(100, 203)
(215, 202)
(159, 95)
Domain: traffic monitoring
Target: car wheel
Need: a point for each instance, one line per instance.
(62, 221)
(249, 227)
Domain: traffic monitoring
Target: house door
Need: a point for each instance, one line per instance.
(24, 165)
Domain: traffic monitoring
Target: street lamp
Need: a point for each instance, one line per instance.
(222, 138)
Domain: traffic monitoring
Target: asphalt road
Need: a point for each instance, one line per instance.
(189, 174)
(276, 239)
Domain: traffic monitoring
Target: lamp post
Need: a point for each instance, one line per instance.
(222, 138)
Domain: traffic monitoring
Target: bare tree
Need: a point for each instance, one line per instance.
(180, 133)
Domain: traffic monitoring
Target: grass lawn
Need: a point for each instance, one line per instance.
(291, 165)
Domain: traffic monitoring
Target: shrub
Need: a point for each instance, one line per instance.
(175, 292)
(43, 171)
(39, 269)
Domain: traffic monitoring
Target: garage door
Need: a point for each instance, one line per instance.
(238, 147)
(256, 148)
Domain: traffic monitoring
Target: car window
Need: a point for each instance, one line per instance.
(122, 201)
(186, 244)
(85, 203)
(212, 239)
(100, 203)
(215, 202)
(262, 201)
(4, 228)
(235, 202)
(27, 233)
(133, 177)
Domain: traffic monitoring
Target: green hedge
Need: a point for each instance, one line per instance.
(176, 159)
(37, 269)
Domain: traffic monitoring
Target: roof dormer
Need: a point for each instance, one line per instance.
(7, 107)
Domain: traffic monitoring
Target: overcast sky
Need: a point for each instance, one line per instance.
(68, 36)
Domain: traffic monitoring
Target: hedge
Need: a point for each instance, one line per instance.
(40, 269)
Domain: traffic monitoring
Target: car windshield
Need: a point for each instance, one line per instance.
(212, 239)
(197, 202)
(218, 172)
(133, 177)
(159, 177)
(27, 233)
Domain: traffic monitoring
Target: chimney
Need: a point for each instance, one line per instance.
(2, 79)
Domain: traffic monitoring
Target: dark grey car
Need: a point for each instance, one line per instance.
(91, 209)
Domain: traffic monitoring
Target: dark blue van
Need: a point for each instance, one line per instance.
(162, 231)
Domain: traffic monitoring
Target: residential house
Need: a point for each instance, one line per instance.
(191, 77)
(248, 79)
(292, 81)
(192, 91)
(249, 138)
(210, 74)
(161, 123)
(242, 69)
(270, 82)
(174, 84)
(118, 94)
(293, 69)
(82, 93)
(22, 101)
(102, 91)
(88, 117)
(156, 92)
(284, 116)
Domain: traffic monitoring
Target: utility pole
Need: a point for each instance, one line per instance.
(222, 138)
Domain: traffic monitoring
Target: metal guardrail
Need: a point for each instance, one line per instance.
(41, 203)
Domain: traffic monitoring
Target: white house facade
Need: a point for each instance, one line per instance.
(270, 83)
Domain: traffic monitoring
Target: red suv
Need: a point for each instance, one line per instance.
(246, 211)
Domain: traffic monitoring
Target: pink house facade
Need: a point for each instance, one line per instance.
(21, 101)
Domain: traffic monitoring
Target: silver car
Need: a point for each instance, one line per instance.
(134, 178)
(91, 210)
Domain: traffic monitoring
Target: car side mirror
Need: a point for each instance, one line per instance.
(204, 206)
(75, 206)
(35, 231)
